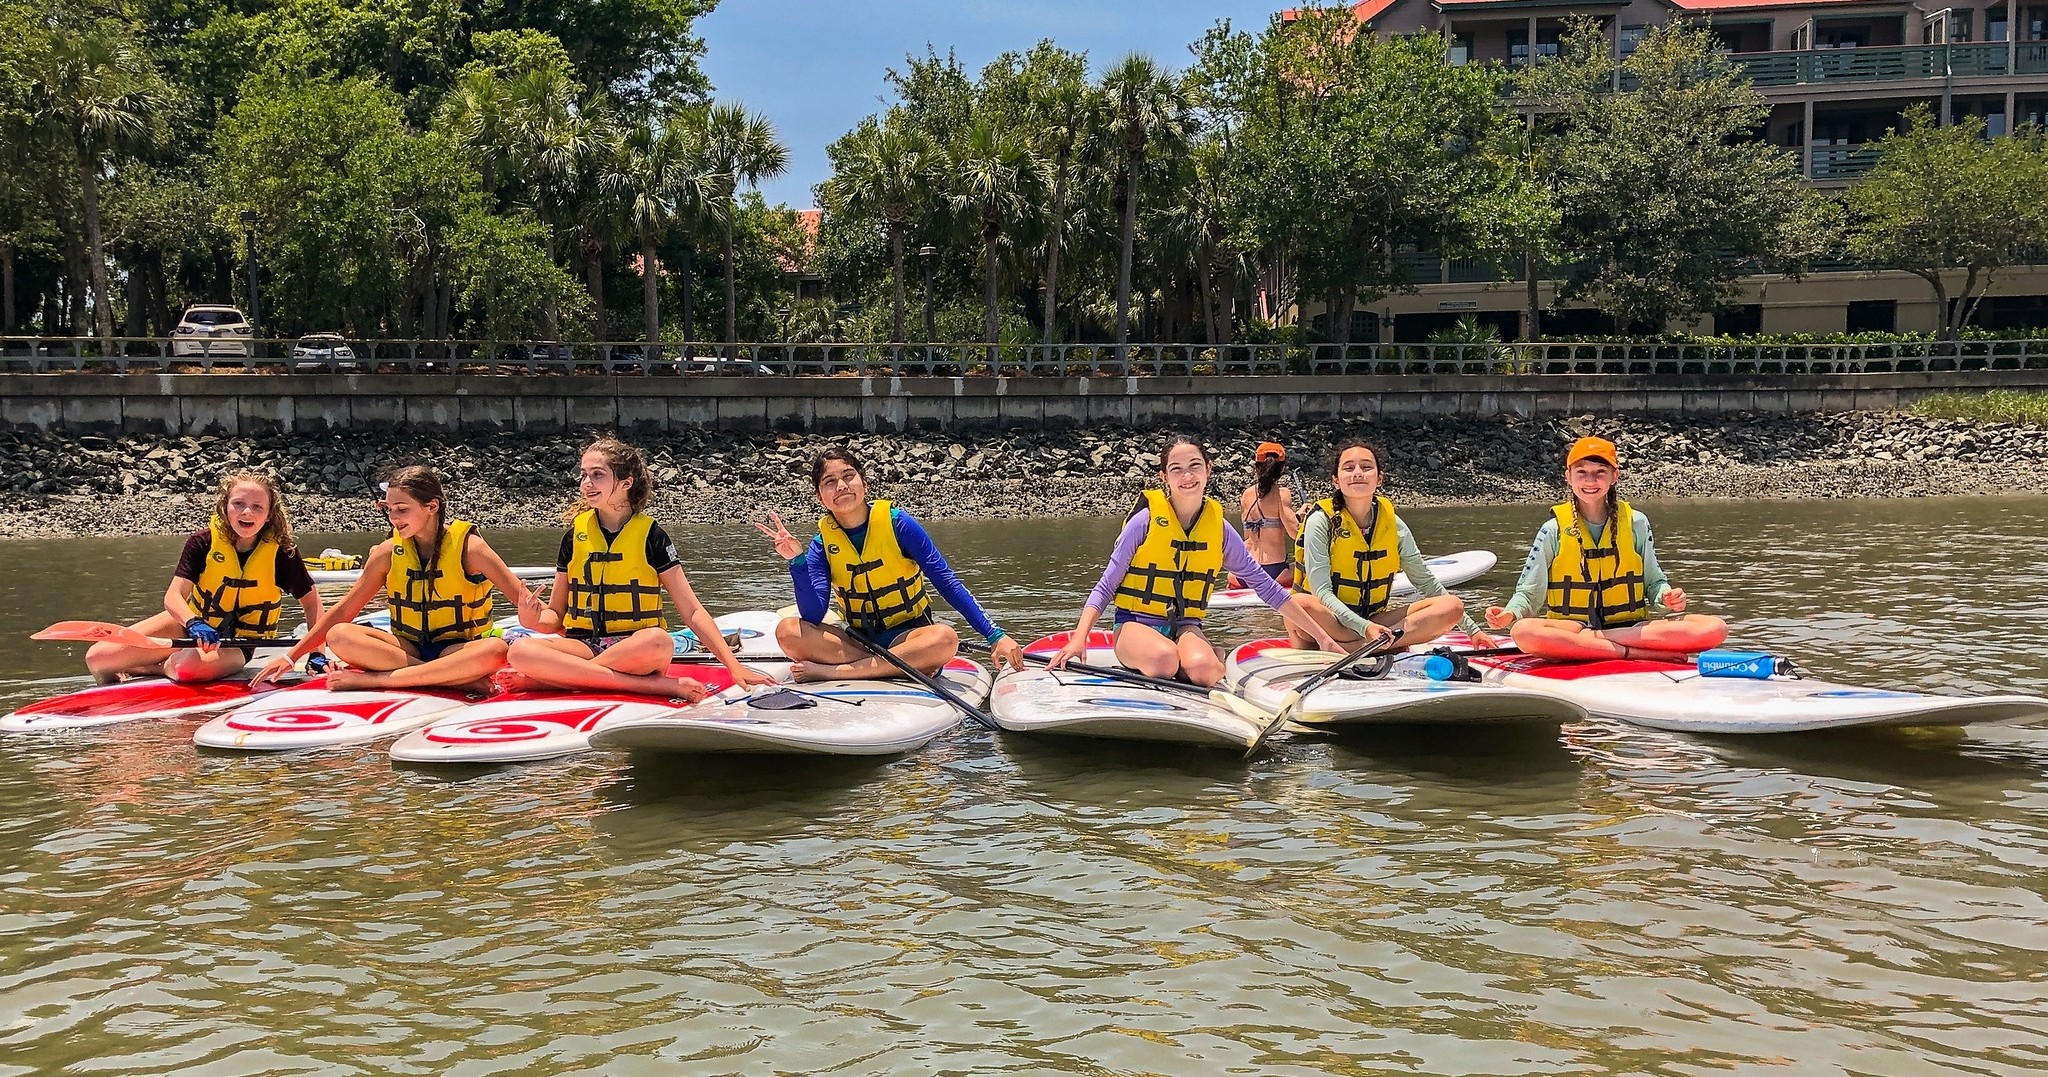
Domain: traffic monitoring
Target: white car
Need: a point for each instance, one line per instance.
(323, 351)
(727, 365)
(212, 330)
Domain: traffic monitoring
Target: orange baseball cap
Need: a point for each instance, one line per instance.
(1270, 449)
(1590, 448)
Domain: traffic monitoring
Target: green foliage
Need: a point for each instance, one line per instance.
(1347, 148)
(359, 131)
(1947, 199)
(1664, 197)
(504, 278)
(1993, 406)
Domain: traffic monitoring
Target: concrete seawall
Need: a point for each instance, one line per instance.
(256, 404)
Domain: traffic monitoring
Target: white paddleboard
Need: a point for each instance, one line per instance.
(1075, 704)
(314, 716)
(1450, 570)
(849, 718)
(549, 724)
(1264, 671)
(1674, 696)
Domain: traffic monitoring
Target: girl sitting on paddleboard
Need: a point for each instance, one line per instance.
(1352, 544)
(437, 576)
(1164, 566)
(1592, 586)
(1271, 522)
(882, 566)
(230, 583)
(613, 568)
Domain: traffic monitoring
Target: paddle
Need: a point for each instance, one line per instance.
(932, 684)
(107, 631)
(1293, 698)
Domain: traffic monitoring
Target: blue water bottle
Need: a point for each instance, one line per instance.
(1753, 665)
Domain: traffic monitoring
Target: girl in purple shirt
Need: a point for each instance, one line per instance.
(1163, 568)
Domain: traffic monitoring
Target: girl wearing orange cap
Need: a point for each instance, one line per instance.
(1271, 524)
(1592, 587)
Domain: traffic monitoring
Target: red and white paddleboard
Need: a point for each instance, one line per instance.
(1674, 696)
(311, 717)
(130, 701)
(1071, 703)
(543, 724)
(1265, 671)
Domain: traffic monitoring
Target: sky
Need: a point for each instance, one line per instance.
(815, 67)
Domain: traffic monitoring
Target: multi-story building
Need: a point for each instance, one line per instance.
(1838, 75)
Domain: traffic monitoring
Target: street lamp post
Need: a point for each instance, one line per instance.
(924, 256)
(255, 311)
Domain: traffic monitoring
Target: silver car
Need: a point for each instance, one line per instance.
(212, 330)
(323, 351)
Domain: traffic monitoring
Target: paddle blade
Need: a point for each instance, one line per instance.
(96, 631)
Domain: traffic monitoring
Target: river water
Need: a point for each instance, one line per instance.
(1608, 900)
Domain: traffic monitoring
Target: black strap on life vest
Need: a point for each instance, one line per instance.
(593, 587)
(1595, 608)
(863, 603)
(464, 621)
(255, 618)
(1363, 565)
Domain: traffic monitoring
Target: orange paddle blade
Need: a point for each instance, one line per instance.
(95, 631)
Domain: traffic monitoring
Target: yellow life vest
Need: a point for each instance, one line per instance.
(1174, 570)
(437, 603)
(238, 594)
(1600, 586)
(1363, 558)
(879, 587)
(612, 589)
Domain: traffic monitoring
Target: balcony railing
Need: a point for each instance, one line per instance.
(1893, 63)
(766, 364)
(1842, 162)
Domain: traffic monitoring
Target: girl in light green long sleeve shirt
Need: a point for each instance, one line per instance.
(1354, 601)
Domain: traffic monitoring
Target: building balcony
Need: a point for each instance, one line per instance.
(1841, 162)
(1897, 63)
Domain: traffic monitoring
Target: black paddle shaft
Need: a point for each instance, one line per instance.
(936, 687)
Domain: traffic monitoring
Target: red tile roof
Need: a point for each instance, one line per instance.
(1366, 10)
(1736, 5)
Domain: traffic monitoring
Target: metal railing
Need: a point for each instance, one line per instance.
(42, 355)
(1842, 162)
(1893, 62)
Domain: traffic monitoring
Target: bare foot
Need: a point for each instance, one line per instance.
(354, 680)
(815, 671)
(511, 680)
(684, 688)
(480, 687)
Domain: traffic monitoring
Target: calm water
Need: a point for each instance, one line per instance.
(1610, 900)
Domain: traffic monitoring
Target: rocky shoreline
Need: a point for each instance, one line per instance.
(66, 486)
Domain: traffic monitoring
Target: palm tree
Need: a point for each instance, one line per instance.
(887, 174)
(739, 147)
(995, 180)
(548, 135)
(1148, 113)
(657, 172)
(99, 91)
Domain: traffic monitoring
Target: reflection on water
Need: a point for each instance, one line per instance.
(1604, 900)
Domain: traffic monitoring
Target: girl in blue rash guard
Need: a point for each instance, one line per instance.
(883, 577)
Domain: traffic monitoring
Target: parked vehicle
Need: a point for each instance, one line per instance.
(212, 330)
(323, 351)
(730, 366)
